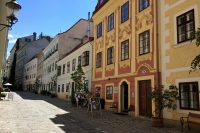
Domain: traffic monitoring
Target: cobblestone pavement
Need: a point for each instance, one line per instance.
(34, 113)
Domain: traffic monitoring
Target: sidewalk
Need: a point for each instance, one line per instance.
(34, 113)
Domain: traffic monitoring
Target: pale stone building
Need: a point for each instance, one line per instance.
(80, 55)
(27, 49)
(30, 74)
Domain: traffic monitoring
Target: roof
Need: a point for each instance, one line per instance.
(77, 47)
(99, 5)
(73, 26)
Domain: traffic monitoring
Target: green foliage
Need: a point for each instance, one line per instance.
(73, 100)
(78, 78)
(3, 94)
(195, 64)
(54, 83)
(37, 84)
(164, 99)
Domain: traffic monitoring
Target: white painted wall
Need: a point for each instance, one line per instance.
(66, 78)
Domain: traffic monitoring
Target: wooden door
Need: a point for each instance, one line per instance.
(145, 105)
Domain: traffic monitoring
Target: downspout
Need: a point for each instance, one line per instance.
(157, 44)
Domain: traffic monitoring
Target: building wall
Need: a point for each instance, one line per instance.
(66, 77)
(137, 67)
(177, 57)
(64, 43)
(50, 61)
(25, 54)
(30, 74)
(3, 36)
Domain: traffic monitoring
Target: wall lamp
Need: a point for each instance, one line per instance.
(13, 9)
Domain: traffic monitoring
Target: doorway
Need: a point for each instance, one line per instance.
(145, 102)
(124, 97)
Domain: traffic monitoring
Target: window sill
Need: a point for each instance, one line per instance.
(177, 45)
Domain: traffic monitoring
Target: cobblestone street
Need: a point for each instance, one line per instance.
(34, 113)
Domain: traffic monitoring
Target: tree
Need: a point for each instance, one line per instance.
(78, 78)
(37, 84)
(195, 64)
(54, 83)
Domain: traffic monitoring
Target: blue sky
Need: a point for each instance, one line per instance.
(48, 16)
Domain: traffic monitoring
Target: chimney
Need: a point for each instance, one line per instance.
(34, 36)
(88, 30)
(41, 35)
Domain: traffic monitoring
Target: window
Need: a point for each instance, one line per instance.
(85, 61)
(59, 71)
(68, 67)
(99, 60)
(189, 96)
(125, 50)
(125, 12)
(99, 30)
(58, 88)
(110, 56)
(143, 4)
(52, 67)
(185, 26)
(63, 68)
(109, 92)
(63, 87)
(79, 60)
(111, 22)
(73, 64)
(144, 43)
(67, 87)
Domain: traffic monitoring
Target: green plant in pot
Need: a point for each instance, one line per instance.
(163, 98)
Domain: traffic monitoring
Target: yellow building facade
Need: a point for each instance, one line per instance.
(125, 54)
(3, 36)
(179, 19)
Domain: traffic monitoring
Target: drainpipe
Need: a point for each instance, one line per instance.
(157, 44)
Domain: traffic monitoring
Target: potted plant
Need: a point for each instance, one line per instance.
(163, 99)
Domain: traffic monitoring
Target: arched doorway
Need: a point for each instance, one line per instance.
(124, 97)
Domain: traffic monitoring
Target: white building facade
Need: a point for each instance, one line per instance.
(81, 55)
(62, 44)
(30, 74)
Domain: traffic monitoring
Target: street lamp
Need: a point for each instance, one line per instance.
(13, 9)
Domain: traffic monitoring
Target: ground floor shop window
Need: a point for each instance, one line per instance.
(189, 96)
(109, 92)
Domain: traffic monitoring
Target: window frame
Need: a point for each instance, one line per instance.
(188, 100)
(111, 22)
(99, 60)
(109, 87)
(68, 67)
(140, 10)
(63, 71)
(99, 30)
(184, 24)
(74, 64)
(110, 55)
(86, 58)
(141, 34)
(123, 54)
(123, 19)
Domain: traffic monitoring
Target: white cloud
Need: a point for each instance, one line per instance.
(10, 36)
(12, 41)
